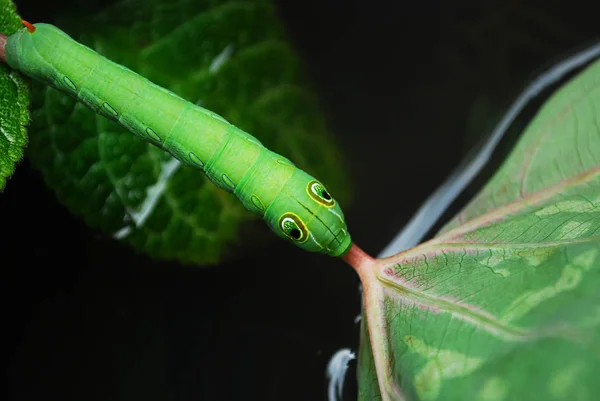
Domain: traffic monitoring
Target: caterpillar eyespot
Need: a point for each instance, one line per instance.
(317, 191)
(293, 227)
(231, 158)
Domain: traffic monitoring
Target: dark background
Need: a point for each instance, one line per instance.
(409, 88)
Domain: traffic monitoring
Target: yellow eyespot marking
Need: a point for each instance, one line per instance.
(317, 191)
(110, 109)
(292, 227)
(69, 83)
(152, 134)
(256, 202)
(195, 159)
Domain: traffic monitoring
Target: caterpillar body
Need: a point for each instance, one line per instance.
(294, 204)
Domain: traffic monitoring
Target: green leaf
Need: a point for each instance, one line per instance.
(14, 110)
(503, 304)
(231, 57)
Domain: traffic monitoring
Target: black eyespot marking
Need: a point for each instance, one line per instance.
(295, 233)
(317, 191)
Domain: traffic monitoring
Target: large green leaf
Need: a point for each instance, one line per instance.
(14, 109)
(231, 57)
(503, 304)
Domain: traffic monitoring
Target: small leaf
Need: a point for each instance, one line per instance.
(503, 303)
(230, 57)
(14, 109)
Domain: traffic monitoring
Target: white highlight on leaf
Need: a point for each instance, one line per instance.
(574, 229)
(570, 278)
(441, 365)
(563, 383)
(153, 194)
(122, 233)
(336, 372)
(567, 206)
(221, 58)
(431, 210)
(493, 389)
(548, 211)
(7, 135)
(155, 191)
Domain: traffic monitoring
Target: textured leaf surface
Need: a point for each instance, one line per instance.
(14, 111)
(230, 57)
(503, 304)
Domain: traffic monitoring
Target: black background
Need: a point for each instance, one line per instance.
(405, 86)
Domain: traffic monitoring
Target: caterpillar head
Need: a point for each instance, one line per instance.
(307, 215)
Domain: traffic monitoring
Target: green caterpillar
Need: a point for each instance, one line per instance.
(294, 205)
